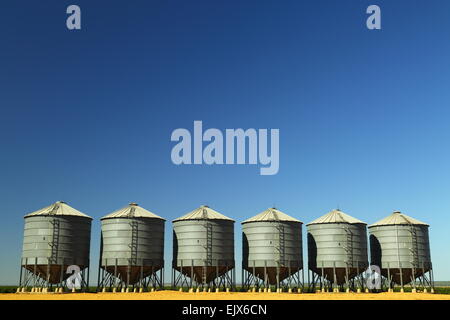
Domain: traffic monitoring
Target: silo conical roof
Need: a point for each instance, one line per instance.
(59, 208)
(336, 216)
(132, 211)
(398, 218)
(271, 214)
(203, 213)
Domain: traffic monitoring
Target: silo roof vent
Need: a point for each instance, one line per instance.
(336, 216)
(59, 208)
(203, 213)
(398, 218)
(271, 214)
(132, 211)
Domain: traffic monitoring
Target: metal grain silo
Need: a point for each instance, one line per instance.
(203, 249)
(132, 249)
(400, 246)
(55, 237)
(337, 250)
(272, 250)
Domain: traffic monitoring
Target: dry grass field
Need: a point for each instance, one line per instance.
(175, 295)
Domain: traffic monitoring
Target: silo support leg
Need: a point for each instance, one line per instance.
(162, 278)
(401, 278)
(254, 275)
(431, 280)
(414, 279)
(278, 279)
(20, 276)
(303, 279)
(142, 276)
(289, 278)
(233, 283)
(87, 280)
(423, 278)
(322, 281)
(192, 273)
(25, 283)
(359, 280)
(389, 279)
(310, 285)
(61, 275)
(346, 279)
(48, 273)
(334, 275)
(265, 277)
(128, 275)
(172, 278)
(115, 274)
(34, 272)
(217, 274)
(104, 283)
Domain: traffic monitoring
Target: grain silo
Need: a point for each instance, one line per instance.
(132, 249)
(203, 250)
(337, 250)
(56, 243)
(400, 246)
(272, 250)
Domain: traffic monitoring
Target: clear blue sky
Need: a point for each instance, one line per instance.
(86, 116)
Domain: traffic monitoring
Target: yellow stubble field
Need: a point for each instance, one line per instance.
(176, 295)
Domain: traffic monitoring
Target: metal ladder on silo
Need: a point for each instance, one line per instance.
(414, 248)
(208, 247)
(349, 247)
(281, 245)
(134, 242)
(55, 241)
(134, 237)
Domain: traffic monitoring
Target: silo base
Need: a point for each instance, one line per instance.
(272, 275)
(139, 277)
(404, 276)
(204, 276)
(40, 277)
(282, 277)
(417, 280)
